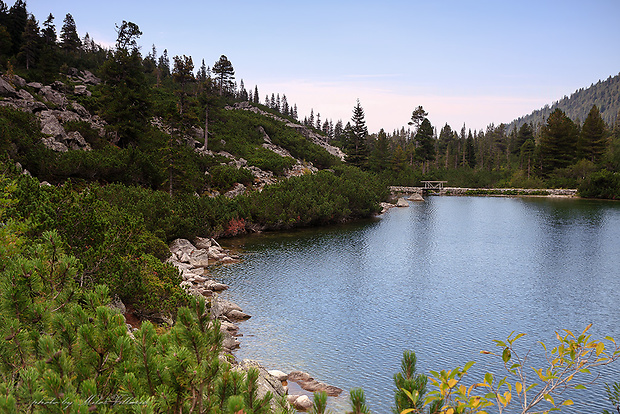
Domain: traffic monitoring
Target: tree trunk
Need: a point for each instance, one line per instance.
(206, 126)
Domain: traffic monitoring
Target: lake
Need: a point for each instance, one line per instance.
(442, 278)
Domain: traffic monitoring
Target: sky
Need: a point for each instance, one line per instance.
(465, 61)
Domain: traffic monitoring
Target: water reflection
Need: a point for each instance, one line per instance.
(442, 277)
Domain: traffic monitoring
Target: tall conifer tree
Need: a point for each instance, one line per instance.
(591, 144)
(558, 142)
(225, 73)
(70, 40)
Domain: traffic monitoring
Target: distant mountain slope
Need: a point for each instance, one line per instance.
(604, 94)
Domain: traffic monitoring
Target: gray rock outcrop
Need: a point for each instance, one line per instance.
(7, 90)
(53, 109)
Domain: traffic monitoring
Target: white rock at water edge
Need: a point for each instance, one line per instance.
(402, 203)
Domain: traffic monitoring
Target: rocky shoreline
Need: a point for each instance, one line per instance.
(192, 261)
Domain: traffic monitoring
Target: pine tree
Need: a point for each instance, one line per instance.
(527, 155)
(183, 73)
(16, 23)
(164, 64)
(338, 130)
(49, 31)
(126, 99)
(357, 150)
(30, 42)
(525, 132)
(417, 116)
(470, 151)
(225, 74)
(380, 155)
(592, 139)
(558, 142)
(408, 381)
(256, 96)
(70, 40)
(285, 107)
(202, 72)
(425, 145)
(5, 42)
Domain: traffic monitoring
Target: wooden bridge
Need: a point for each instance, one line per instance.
(433, 185)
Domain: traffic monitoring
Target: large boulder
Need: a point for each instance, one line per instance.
(25, 95)
(35, 85)
(182, 247)
(51, 126)
(199, 258)
(402, 203)
(80, 110)
(89, 78)
(299, 402)
(6, 89)
(19, 81)
(54, 145)
(53, 96)
(81, 90)
(76, 141)
(203, 243)
(222, 308)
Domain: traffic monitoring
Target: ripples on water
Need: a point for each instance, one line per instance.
(442, 278)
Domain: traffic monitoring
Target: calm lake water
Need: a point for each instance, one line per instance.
(442, 278)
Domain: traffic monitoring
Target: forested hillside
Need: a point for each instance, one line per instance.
(120, 153)
(604, 94)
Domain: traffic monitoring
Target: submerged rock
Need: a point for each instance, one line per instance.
(308, 383)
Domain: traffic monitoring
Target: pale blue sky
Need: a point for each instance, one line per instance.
(472, 62)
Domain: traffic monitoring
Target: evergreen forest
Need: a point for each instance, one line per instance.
(109, 154)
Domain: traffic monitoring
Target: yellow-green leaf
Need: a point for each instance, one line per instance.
(506, 355)
(568, 402)
(600, 348)
(452, 382)
(518, 387)
(469, 365)
(549, 398)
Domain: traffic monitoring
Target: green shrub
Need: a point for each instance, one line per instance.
(223, 177)
(601, 184)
